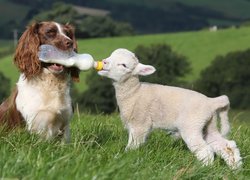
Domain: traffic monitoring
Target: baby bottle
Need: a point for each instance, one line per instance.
(50, 54)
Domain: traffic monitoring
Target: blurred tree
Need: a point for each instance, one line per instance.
(228, 75)
(37, 3)
(60, 12)
(86, 26)
(170, 66)
(103, 26)
(4, 87)
(100, 95)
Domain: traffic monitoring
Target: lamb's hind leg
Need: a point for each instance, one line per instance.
(223, 147)
(193, 137)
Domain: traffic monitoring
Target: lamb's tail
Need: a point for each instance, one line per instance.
(222, 105)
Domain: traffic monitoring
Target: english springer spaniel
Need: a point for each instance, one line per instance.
(41, 99)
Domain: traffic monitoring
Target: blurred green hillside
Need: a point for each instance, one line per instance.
(146, 16)
(230, 8)
(200, 48)
(12, 11)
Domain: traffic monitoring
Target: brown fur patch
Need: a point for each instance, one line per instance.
(10, 117)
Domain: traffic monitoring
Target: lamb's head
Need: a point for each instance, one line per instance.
(122, 64)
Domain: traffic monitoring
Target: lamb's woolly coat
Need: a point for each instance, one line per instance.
(186, 113)
(165, 106)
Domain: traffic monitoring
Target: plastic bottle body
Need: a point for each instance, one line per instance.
(83, 61)
(50, 54)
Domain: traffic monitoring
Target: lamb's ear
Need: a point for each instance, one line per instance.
(143, 70)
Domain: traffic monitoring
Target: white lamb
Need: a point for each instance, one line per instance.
(185, 113)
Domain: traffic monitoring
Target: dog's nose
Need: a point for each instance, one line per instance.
(69, 43)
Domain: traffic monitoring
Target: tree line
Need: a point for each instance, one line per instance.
(175, 17)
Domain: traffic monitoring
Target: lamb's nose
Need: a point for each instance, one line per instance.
(105, 62)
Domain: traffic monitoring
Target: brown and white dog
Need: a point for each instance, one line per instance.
(41, 98)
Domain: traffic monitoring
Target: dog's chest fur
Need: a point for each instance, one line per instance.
(47, 92)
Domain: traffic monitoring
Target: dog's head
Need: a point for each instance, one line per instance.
(58, 35)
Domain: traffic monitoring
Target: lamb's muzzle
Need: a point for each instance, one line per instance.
(192, 115)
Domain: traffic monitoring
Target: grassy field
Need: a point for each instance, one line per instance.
(97, 147)
(199, 47)
(97, 152)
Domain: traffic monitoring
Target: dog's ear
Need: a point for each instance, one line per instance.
(71, 29)
(74, 72)
(75, 46)
(26, 54)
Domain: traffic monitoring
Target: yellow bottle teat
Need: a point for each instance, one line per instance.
(99, 65)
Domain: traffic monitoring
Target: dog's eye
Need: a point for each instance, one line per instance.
(69, 34)
(51, 33)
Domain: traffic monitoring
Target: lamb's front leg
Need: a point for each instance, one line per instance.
(137, 136)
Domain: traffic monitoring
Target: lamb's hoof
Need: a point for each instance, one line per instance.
(206, 156)
(131, 147)
(232, 156)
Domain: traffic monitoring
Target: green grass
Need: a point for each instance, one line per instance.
(5, 44)
(97, 151)
(6, 47)
(8, 68)
(240, 116)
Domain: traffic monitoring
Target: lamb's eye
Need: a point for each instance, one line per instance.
(124, 65)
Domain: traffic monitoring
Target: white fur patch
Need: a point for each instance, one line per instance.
(61, 31)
